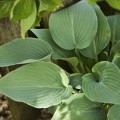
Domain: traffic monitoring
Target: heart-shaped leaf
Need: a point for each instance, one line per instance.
(114, 113)
(70, 28)
(78, 107)
(103, 85)
(76, 80)
(22, 51)
(102, 37)
(39, 84)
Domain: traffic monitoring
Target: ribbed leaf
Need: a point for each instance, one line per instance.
(114, 113)
(115, 54)
(5, 7)
(114, 3)
(30, 21)
(93, 1)
(103, 85)
(22, 51)
(70, 27)
(39, 84)
(78, 107)
(58, 53)
(21, 9)
(102, 37)
(114, 22)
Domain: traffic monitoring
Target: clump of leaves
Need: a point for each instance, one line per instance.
(89, 42)
(29, 12)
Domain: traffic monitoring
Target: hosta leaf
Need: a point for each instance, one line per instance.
(76, 80)
(103, 85)
(58, 53)
(114, 112)
(114, 22)
(78, 107)
(30, 21)
(22, 51)
(5, 7)
(102, 37)
(70, 27)
(48, 5)
(115, 54)
(114, 3)
(21, 9)
(39, 84)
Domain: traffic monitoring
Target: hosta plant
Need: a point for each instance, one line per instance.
(88, 86)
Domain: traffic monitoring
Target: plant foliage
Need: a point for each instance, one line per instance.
(83, 37)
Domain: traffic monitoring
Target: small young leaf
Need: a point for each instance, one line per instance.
(22, 51)
(76, 80)
(5, 7)
(70, 28)
(114, 113)
(78, 107)
(39, 84)
(114, 3)
(21, 9)
(30, 21)
(103, 85)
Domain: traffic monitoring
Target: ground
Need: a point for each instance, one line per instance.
(5, 113)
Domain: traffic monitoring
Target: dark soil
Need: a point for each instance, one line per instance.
(5, 113)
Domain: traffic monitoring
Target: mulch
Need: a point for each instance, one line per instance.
(5, 113)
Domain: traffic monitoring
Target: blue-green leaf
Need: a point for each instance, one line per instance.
(103, 85)
(70, 28)
(114, 112)
(39, 84)
(78, 107)
(102, 37)
(114, 23)
(22, 51)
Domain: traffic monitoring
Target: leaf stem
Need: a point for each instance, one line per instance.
(80, 64)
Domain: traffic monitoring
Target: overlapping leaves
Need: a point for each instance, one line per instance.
(78, 107)
(70, 28)
(102, 37)
(22, 51)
